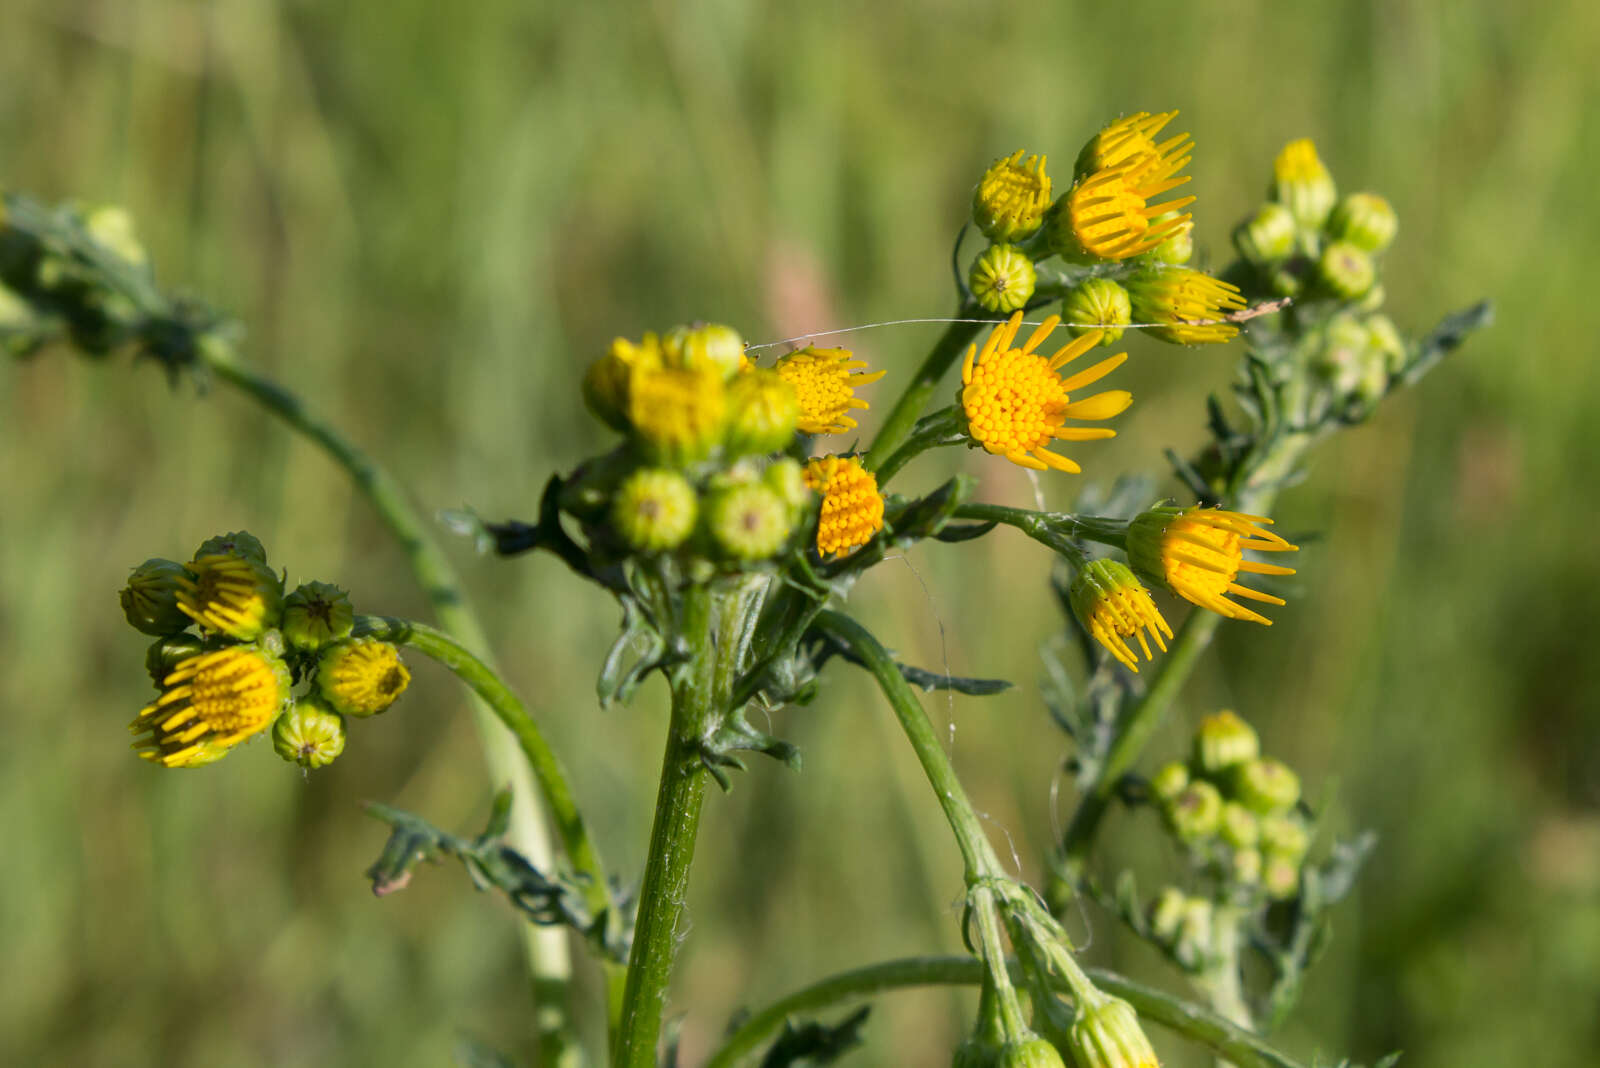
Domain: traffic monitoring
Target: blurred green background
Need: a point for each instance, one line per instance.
(432, 215)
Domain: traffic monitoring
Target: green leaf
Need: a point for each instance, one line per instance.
(813, 1043)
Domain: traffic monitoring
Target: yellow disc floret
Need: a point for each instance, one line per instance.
(825, 381)
(1191, 305)
(362, 676)
(1011, 198)
(1017, 405)
(852, 507)
(234, 595)
(209, 704)
(1113, 607)
(1198, 554)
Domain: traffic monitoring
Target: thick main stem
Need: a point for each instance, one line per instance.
(712, 625)
(549, 961)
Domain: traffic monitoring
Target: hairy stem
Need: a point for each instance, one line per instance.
(714, 626)
(1190, 1021)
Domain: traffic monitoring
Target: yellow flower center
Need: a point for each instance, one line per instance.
(212, 701)
(824, 381)
(852, 507)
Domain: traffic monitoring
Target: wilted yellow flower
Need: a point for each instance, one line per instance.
(825, 380)
(677, 412)
(606, 383)
(361, 676)
(1113, 607)
(1017, 404)
(211, 703)
(1129, 143)
(852, 507)
(234, 595)
(1198, 553)
(1191, 305)
(1011, 198)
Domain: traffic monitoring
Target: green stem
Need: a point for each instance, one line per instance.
(1054, 530)
(977, 853)
(902, 418)
(1190, 1021)
(937, 430)
(714, 626)
(1221, 981)
(1254, 490)
(549, 960)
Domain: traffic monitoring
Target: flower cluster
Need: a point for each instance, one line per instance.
(1237, 812)
(231, 647)
(710, 469)
(1121, 247)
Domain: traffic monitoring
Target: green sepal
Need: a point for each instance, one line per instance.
(735, 734)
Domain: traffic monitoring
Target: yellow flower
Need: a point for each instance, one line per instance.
(1301, 183)
(1011, 198)
(677, 412)
(825, 381)
(211, 703)
(852, 507)
(763, 412)
(1016, 404)
(362, 676)
(1129, 143)
(234, 595)
(1198, 553)
(1107, 1035)
(606, 383)
(1113, 607)
(1191, 304)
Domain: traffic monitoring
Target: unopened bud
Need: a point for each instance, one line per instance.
(1170, 781)
(1285, 836)
(1196, 812)
(1246, 867)
(709, 346)
(1345, 270)
(1224, 740)
(1032, 1052)
(1267, 236)
(237, 543)
(1280, 876)
(317, 614)
(1385, 337)
(1108, 1035)
(763, 411)
(1002, 279)
(654, 510)
(787, 479)
(1166, 913)
(1179, 248)
(1366, 220)
(1265, 786)
(1240, 828)
(1097, 304)
(309, 733)
(748, 522)
(150, 599)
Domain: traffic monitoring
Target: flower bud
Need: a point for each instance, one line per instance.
(112, 227)
(654, 510)
(1166, 913)
(763, 411)
(1194, 932)
(165, 654)
(237, 543)
(1383, 336)
(677, 413)
(234, 595)
(1280, 876)
(1178, 248)
(1265, 786)
(1011, 198)
(1170, 781)
(316, 614)
(1246, 867)
(1366, 220)
(150, 599)
(309, 733)
(607, 384)
(1108, 1035)
(1285, 836)
(1032, 1052)
(1196, 813)
(1344, 353)
(1224, 740)
(1267, 236)
(704, 346)
(1302, 184)
(1002, 279)
(1345, 270)
(1240, 828)
(361, 676)
(786, 478)
(748, 522)
(1097, 304)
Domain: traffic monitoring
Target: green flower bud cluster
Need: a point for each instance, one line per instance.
(1235, 809)
(227, 597)
(1182, 924)
(1308, 242)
